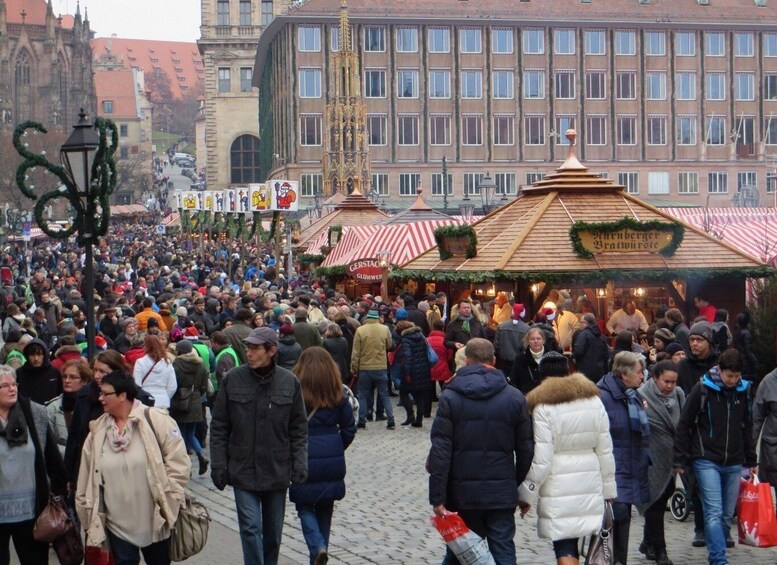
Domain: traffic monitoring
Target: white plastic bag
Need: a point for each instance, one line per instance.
(468, 547)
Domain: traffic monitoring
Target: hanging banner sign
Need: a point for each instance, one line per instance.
(365, 270)
(219, 200)
(260, 197)
(626, 235)
(285, 195)
(190, 201)
(243, 200)
(210, 200)
(230, 200)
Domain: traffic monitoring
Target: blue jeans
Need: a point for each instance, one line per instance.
(189, 438)
(124, 553)
(379, 379)
(497, 526)
(718, 487)
(260, 518)
(316, 520)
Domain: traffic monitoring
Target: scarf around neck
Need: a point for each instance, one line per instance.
(638, 419)
(537, 356)
(120, 440)
(465, 323)
(667, 403)
(15, 430)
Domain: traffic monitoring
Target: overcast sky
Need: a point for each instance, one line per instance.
(167, 20)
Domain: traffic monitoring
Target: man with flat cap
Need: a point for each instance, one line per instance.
(259, 444)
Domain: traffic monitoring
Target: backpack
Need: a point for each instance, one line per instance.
(720, 336)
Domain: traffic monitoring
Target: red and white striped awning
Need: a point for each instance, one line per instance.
(404, 241)
(751, 230)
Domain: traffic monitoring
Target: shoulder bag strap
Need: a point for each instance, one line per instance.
(148, 373)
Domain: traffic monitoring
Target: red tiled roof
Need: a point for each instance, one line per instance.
(180, 60)
(35, 13)
(119, 87)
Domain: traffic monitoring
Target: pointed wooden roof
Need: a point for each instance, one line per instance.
(353, 210)
(420, 211)
(529, 237)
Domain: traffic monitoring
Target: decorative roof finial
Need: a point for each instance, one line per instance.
(345, 27)
(571, 163)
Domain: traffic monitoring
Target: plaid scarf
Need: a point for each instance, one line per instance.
(638, 419)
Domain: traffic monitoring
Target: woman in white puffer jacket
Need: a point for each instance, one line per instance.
(154, 373)
(573, 469)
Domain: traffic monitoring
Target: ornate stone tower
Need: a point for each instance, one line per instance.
(346, 156)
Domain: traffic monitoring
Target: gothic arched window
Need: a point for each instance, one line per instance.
(22, 90)
(244, 160)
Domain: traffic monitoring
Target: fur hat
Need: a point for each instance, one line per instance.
(554, 364)
(664, 335)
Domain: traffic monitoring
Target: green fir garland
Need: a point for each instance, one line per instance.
(310, 258)
(440, 234)
(677, 229)
(335, 229)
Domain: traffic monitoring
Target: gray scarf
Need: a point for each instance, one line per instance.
(666, 407)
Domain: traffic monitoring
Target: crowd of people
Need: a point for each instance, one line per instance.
(222, 363)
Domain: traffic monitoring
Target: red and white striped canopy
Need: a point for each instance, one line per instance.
(751, 230)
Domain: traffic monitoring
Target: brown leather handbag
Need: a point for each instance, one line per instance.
(599, 551)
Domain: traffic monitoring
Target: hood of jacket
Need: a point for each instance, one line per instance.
(560, 390)
(712, 381)
(477, 381)
(288, 339)
(39, 343)
(411, 331)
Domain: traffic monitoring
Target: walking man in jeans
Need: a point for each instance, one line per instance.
(371, 343)
(258, 444)
(482, 449)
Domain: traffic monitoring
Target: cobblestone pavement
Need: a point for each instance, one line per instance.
(384, 518)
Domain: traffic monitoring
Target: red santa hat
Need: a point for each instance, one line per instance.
(549, 314)
(518, 312)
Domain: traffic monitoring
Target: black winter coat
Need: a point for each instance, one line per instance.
(743, 341)
(690, 371)
(418, 318)
(338, 349)
(591, 353)
(416, 371)
(455, 334)
(482, 444)
(39, 384)
(288, 352)
(525, 374)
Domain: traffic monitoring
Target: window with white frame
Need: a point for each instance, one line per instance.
(334, 39)
(655, 43)
(746, 178)
(533, 41)
(685, 42)
(770, 87)
(744, 86)
(471, 84)
(505, 184)
(685, 86)
(743, 44)
(504, 129)
(310, 83)
(534, 84)
(770, 44)
(626, 130)
(440, 129)
(534, 176)
(380, 183)
(309, 38)
(565, 85)
(595, 42)
(310, 129)
(563, 123)
(408, 183)
(222, 13)
(472, 183)
(686, 130)
(267, 13)
(625, 42)
(534, 130)
(310, 183)
(716, 86)
(655, 85)
(472, 129)
(594, 85)
(440, 83)
(656, 130)
(688, 182)
(407, 129)
(502, 83)
(630, 181)
(716, 130)
(626, 85)
(595, 130)
(564, 41)
(377, 125)
(717, 182)
(502, 41)
(658, 182)
(470, 40)
(375, 83)
(374, 38)
(438, 186)
(439, 39)
(407, 83)
(407, 39)
(714, 44)
(770, 129)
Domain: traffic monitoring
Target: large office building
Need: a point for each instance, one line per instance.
(675, 100)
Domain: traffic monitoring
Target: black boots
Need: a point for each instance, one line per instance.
(203, 463)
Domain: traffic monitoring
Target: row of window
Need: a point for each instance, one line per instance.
(246, 77)
(536, 132)
(506, 182)
(564, 84)
(564, 41)
(244, 12)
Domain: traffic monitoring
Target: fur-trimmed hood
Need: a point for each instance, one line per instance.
(560, 390)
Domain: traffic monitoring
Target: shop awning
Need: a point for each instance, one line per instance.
(35, 233)
(126, 209)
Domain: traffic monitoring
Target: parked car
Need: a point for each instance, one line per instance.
(184, 161)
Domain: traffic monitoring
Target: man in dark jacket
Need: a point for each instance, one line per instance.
(306, 334)
(416, 316)
(259, 435)
(463, 328)
(480, 418)
(38, 379)
(508, 342)
(590, 349)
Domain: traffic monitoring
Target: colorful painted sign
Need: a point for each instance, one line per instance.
(284, 195)
(365, 270)
(260, 198)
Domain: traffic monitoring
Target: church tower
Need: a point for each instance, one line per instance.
(346, 157)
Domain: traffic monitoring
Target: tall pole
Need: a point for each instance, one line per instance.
(444, 184)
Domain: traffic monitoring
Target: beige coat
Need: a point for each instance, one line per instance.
(168, 468)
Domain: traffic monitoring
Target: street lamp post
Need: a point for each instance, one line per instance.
(487, 188)
(466, 208)
(88, 176)
(384, 260)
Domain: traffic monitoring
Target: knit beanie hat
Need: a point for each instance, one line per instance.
(554, 364)
(182, 312)
(702, 329)
(664, 335)
(372, 314)
(673, 348)
(401, 314)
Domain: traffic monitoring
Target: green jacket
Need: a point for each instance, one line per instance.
(371, 342)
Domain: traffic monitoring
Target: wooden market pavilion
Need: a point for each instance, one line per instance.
(577, 231)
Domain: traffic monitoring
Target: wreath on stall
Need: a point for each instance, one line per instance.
(445, 232)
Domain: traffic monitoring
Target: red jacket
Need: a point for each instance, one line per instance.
(440, 371)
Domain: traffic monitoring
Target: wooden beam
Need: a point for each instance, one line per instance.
(537, 214)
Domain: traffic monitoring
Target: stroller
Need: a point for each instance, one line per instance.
(680, 502)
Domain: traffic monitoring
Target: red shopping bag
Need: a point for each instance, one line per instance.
(468, 547)
(756, 520)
